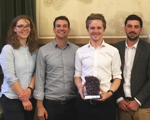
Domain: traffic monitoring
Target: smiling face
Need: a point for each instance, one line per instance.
(22, 29)
(61, 29)
(133, 30)
(96, 30)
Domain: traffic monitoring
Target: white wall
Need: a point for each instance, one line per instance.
(115, 12)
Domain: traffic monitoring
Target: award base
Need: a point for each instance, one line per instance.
(92, 96)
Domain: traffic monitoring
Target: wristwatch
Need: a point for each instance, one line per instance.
(31, 90)
(111, 91)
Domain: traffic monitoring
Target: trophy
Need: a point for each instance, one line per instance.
(92, 88)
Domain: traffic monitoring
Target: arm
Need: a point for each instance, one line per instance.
(32, 82)
(41, 111)
(40, 76)
(25, 94)
(142, 91)
(116, 73)
(78, 72)
(114, 86)
(141, 80)
(17, 89)
(39, 86)
(79, 85)
(7, 59)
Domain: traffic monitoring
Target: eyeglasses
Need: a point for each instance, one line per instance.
(21, 27)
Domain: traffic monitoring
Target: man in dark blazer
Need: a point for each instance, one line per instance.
(133, 95)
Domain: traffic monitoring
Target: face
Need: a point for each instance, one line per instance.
(133, 30)
(96, 30)
(22, 29)
(61, 29)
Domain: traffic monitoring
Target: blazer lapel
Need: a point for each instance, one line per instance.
(138, 52)
(122, 55)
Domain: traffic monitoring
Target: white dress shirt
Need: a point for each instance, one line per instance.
(103, 63)
(129, 59)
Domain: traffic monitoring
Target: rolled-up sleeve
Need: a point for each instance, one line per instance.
(78, 65)
(7, 63)
(40, 77)
(116, 65)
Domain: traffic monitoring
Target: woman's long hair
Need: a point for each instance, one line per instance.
(12, 37)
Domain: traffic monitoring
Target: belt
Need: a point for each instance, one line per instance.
(129, 98)
(59, 101)
(93, 102)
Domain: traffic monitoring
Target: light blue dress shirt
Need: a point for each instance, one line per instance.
(17, 65)
(55, 72)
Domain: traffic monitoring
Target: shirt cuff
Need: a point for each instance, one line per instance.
(119, 99)
(38, 95)
(77, 74)
(138, 101)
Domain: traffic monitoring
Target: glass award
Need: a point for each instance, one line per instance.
(92, 88)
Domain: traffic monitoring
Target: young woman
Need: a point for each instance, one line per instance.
(17, 60)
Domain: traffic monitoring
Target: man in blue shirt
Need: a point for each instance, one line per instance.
(55, 90)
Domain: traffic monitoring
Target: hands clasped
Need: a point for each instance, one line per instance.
(128, 106)
(105, 95)
(24, 97)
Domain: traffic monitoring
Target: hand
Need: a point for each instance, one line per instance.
(133, 105)
(42, 113)
(27, 105)
(25, 95)
(105, 95)
(81, 90)
(124, 105)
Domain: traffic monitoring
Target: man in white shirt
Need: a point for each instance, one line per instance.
(100, 60)
(133, 95)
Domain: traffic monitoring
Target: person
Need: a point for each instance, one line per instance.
(55, 89)
(133, 96)
(102, 61)
(148, 38)
(17, 60)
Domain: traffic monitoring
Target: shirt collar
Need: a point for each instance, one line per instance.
(134, 46)
(56, 45)
(103, 44)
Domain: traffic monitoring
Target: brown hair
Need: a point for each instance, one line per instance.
(95, 16)
(134, 17)
(61, 18)
(12, 37)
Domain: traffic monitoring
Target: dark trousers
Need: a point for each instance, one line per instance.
(13, 109)
(58, 111)
(96, 110)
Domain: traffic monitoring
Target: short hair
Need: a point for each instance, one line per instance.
(95, 16)
(61, 18)
(134, 17)
(12, 37)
